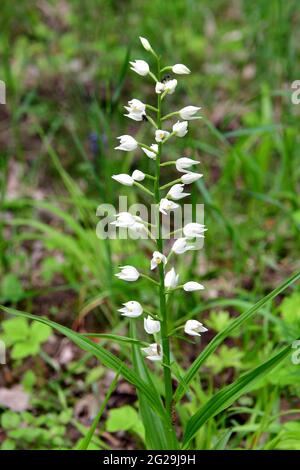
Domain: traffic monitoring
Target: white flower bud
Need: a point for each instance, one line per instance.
(194, 328)
(131, 309)
(126, 220)
(180, 69)
(171, 279)
(150, 154)
(194, 230)
(136, 110)
(140, 67)
(170, 86)
(192, 286)
(123, 178)
(128, 273)
(127, 143)
(180, 246)
(151, 326)
(188, 112)
(189, 178)
(182, 164)
(145, 43)
(166, 206)
(159, 88)
(138, 175)
(180, 129)
(176, 192)
(154, 352)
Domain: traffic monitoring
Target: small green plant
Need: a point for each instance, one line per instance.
(23, 338)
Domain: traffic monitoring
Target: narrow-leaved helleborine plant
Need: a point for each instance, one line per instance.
(157, 324)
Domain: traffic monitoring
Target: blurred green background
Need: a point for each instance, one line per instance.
(65, 65)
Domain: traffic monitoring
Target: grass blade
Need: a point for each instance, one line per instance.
(220, 337)
(106, 357)
(225, 397)
(84, 444)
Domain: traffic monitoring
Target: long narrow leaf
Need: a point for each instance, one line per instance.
(158, 435)
(228, 395)
(220, 337)
(106, 357)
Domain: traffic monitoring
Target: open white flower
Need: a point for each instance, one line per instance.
(192, 286)
(126, 220)
(150, 154)
(190, 177)
(138, 175)
(180, 69)
(123, 178)
(131, 309)
(180, 129)
(184, 163)
(170, 86)
(188, 112)
(176, 192)
(160, 135)
(157, 258)
(151, 326)
(194, 230)
(140, 67)
(145, 43)
(154, 352)
(127, 143)
(136, 110)
(128, 273)
(166, 206)
(194, 328)
(171, 279)
(180, 246)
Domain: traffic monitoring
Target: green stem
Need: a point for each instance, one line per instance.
(152, 108)
(162, 299)
(149, 279)
(152, 121)
(168, 116)
(165, 186)
(142, 188)
(171, 162)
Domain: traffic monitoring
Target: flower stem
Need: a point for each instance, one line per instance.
(162, 299)
(168, 185)
(142, 188)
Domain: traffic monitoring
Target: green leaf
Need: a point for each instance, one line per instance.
(228, 395)
(24, 349)
(225, 358)
(15, 329)
(220, 337)
(122, 419)
(106, 357)
(40, 333)
(11, 289)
